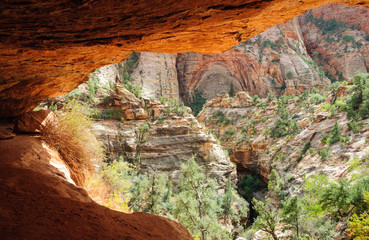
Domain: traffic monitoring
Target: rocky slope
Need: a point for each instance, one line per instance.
(171, 137)
(246, 128)
(38, 202)
(274, 61)
(337, 37)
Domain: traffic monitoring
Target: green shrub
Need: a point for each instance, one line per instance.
(271, 97)
(284, 125)
(347, 39)
(358, 101)
(251, 184)
(289, 75)
(324, 154)
(354, 126)
(255, 99)
(229, 134)
(135, 89)
(219, 117)
(231, 92)
(316, 98)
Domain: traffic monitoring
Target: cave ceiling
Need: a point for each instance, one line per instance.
(48, 48)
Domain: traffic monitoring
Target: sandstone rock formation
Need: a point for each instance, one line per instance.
(49, 48)
(274, 61)
(286, 59)
(281, 59)
(156, 73)
(35, 122)
(337, 36)
(37, 201)
(171, 139)
(245, 129)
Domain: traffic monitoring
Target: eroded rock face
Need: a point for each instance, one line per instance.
(170, 140)
(246, 129)
(49, 48)
(342, 49)
(35, 122)
(156, 73)
(281, 60)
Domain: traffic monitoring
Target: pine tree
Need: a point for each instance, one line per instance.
(231, 90)
(228, 199)
(291, 215)
(139, 191)
(196, 205)
(267, 219)
(336, 134)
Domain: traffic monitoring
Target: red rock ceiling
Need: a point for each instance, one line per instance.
(47, 48)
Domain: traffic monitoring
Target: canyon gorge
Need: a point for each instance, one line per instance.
(275, 107)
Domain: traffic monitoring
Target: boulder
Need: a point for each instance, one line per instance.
(35, 122)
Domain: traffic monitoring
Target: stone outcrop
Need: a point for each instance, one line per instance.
(246, 131)
(35, 122)
(281, 60)
(170, 140)
(38, 202)
(49, 48)
(342, 47)
(156, 73)
(274, 61)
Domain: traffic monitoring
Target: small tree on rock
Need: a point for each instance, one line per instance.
(196, 203)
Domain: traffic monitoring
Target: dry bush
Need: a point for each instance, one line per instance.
(72, 137)
(104, 194)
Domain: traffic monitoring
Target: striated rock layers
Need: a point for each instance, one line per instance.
(37, 201)
(337, 37)
(274, 61)
(286, 59)
(156, 73)
(47, 48)
(169, 140)
(245, 128)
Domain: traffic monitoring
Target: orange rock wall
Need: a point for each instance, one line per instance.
(47, 48)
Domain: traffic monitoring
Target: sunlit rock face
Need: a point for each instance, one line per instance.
(156, 73)
(38, 200)
(341, 49)
(49, 48)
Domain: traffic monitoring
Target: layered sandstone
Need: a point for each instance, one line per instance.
(275, 61)
(172, 137)
(340, 58)
(245, 129)
(49, 48)
(156, 73)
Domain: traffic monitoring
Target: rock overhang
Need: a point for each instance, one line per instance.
(48, 48)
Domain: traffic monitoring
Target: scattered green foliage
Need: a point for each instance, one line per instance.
(196, 206)
(251, 184)
(283, 125)
(358, 101)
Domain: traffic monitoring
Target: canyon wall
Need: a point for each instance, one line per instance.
(286, 59)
